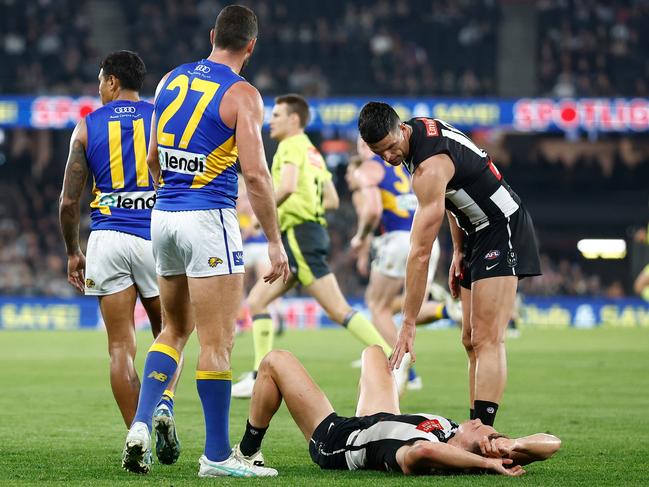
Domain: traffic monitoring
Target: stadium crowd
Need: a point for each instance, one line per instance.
(593, 48)
(310, 48)
(32, 257)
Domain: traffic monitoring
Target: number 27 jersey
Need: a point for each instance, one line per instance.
(197, 150)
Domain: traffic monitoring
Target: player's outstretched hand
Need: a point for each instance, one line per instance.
(76, 269)
(497, 465)
(454, 274)
(405, 344)
(278, 263)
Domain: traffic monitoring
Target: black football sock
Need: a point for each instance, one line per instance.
(251, 441)
(471, 413)
(486, 411)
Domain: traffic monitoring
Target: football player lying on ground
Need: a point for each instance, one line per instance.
(379, 437)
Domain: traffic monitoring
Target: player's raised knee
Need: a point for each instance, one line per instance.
(373, 352)
(275, 359)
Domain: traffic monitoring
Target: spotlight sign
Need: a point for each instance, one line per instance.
(534, 115)
(588, 114)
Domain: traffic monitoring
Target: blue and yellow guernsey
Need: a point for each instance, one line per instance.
(118, 136)
(197, 150)
(399, 202)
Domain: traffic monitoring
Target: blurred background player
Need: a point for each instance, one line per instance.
(384, 201)
(255, 253)
(379, 436)
(303, 192)
(110, 144)
(494, 244)
(206, 116)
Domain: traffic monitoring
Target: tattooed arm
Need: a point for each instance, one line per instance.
(74, 181)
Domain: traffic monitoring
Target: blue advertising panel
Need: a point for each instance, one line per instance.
(562, 312)
(48, 313)
(305, 313)
(524, 115)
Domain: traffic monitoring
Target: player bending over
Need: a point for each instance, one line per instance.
(494, 244)
(379, 437)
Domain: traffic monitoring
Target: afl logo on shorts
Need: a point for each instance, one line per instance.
(512, 258)
(202, 68)
(124, 109)
(492, 254)
(90, 283)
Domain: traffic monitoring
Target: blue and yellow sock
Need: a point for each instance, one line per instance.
(167, 399)
(160, 365)
(440, 312)
(214, 390)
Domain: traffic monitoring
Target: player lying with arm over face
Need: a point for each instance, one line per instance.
(379, 437)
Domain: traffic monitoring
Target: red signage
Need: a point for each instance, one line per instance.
(590, 114)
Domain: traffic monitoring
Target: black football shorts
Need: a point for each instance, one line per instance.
(505, 248)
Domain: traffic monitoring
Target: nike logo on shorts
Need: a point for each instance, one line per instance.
(489, 267)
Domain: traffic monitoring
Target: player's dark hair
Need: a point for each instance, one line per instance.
(235, 27)
(377, 120)
(296, 104)
(127, 67)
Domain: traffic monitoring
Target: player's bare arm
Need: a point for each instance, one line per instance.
(524, 450)
(429, 185)
(330, 198)
(424, 456)
(74, 181)
(152, 159)
(289, 176)
(368, 176)
(457, 235)
(249, 109)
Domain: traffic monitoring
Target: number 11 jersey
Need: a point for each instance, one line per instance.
(118, 136)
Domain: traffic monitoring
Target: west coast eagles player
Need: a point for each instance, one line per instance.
(206, 116)
(110, 144)
(303, 191)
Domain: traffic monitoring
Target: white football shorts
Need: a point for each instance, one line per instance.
(197, 243)
(117, 260)
(391, 255)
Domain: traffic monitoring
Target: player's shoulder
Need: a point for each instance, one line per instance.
(426, 127)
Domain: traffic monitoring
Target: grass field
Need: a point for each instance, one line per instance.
(59, 424)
